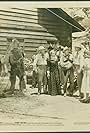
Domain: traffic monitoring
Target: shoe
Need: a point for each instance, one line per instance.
(2, 95)
(81, 95)
(21, 93)
(65, 94)
(39, 93)
(71, 94)
(84, 100)
(45, 92)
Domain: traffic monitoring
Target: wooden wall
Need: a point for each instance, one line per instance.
(22, 24)
(55, 26)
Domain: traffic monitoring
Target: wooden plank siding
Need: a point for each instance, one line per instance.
(23, 24)
(34, 26)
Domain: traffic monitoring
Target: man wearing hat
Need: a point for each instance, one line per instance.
(59, 55)
(67, 69)
(40, 64)
(78, 64)
(17, 66)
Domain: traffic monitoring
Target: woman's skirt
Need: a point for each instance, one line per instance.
(85, 88)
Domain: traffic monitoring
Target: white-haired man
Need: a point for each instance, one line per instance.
(40, 65)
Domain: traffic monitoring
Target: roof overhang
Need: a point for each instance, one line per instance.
(76, 27)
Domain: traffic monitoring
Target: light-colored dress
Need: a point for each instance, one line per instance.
(85, 88)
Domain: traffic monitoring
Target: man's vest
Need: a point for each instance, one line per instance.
(16, 59)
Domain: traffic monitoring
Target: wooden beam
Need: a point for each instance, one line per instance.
(24, 27)
(20, 12)
(25, 32)
(27, 40)
(18, 19)
(8, 21)
(33, 45)
(11, 35)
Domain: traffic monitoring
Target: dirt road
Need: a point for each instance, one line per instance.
(44, 112)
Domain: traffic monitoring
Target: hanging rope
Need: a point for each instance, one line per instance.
(63, 19)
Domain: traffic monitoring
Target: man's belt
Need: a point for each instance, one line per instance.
(42, 65)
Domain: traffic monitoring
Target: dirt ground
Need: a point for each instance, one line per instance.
(43, 113)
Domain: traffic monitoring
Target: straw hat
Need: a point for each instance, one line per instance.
(78, 46)
(41, 48)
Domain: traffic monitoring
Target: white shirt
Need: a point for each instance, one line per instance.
(78, 59)
(40, 60)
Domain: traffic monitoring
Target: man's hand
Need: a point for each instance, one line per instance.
(79, 70)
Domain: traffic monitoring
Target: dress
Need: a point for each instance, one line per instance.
(85, 88)
(53, 81)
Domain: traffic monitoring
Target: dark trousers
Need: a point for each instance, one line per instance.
(61, 75)
(79, 81)
(79, 77)
(34, 79)
(13, 75)
(68, 74)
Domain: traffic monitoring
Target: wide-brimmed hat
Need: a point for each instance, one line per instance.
(78, 46)
(14, 40)
(41, 48)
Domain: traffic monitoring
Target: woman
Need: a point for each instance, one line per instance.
(54, 85)
(85, 88)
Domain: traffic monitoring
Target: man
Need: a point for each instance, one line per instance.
(78, 64)
(17, 66)
(40, 65)
(67, 69)
(34, 75)
(59, 55)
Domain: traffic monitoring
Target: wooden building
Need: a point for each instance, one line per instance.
(34, 27)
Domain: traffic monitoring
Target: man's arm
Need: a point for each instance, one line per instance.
(62, 61)
(35, 63)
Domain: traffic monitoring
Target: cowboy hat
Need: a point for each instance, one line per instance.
(78, 46)
(65, 48)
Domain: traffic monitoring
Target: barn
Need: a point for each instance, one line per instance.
(34, 27)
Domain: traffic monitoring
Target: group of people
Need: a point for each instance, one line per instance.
(54, 69)
(57, 67)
